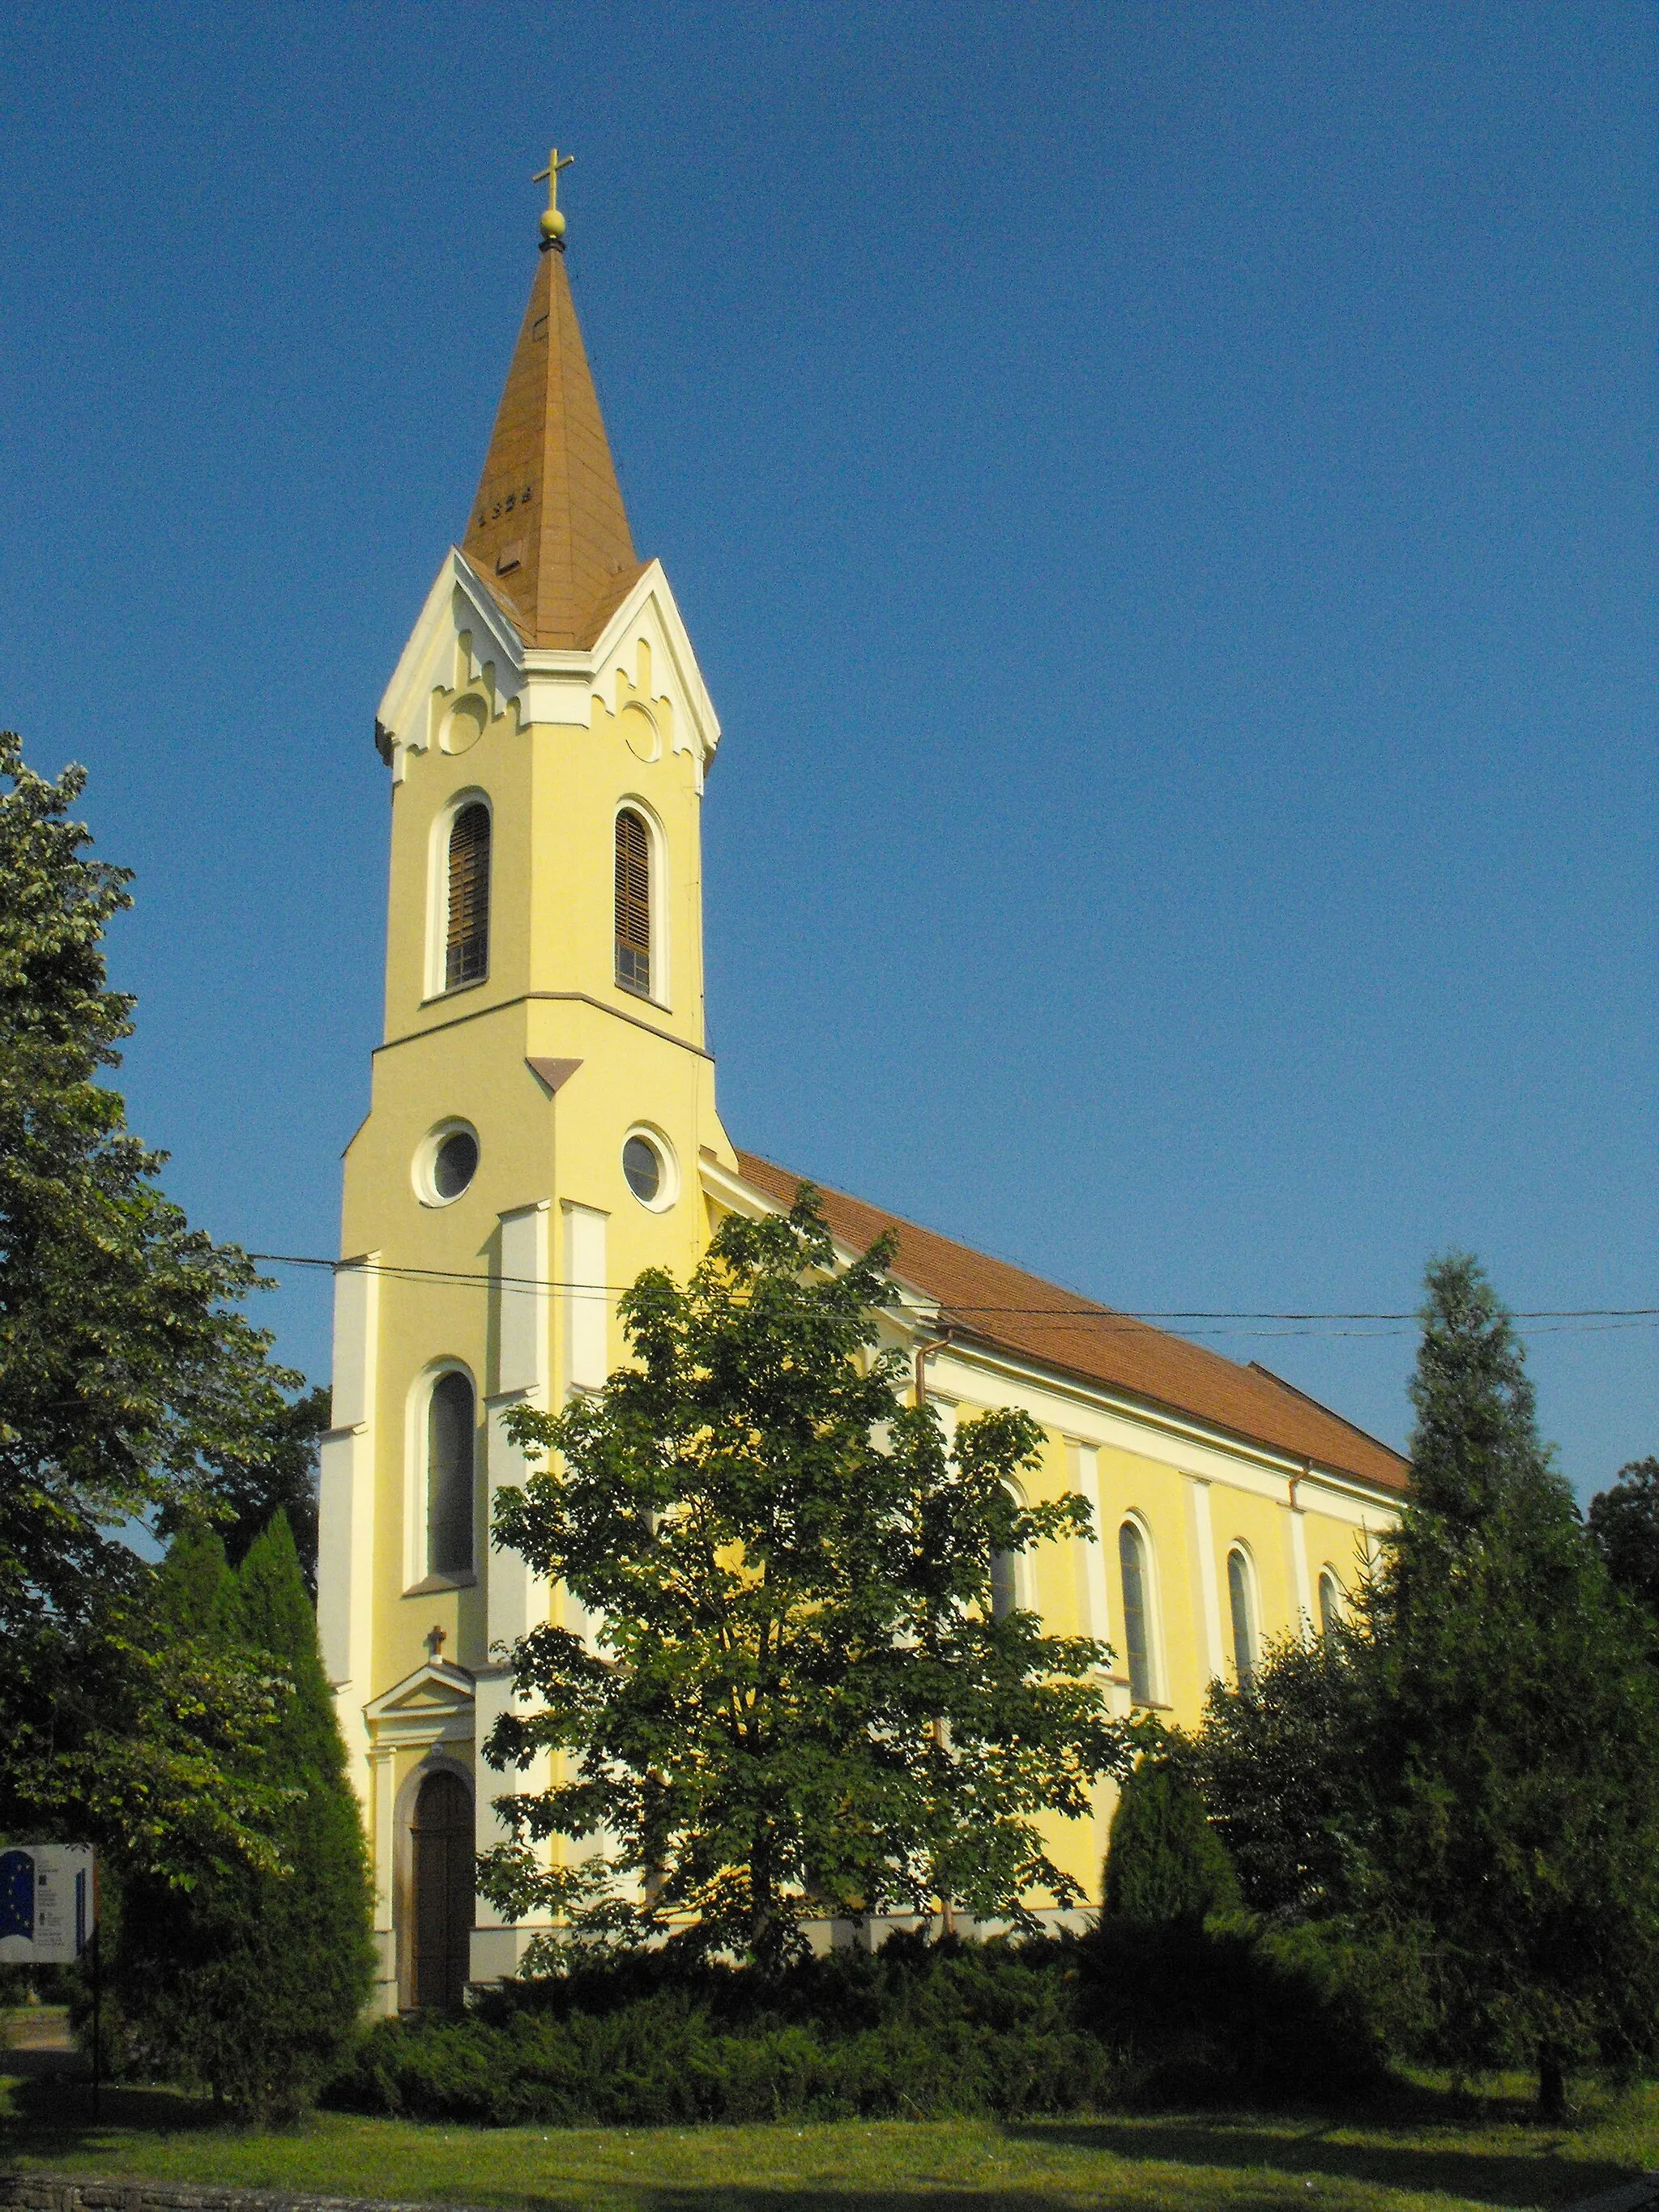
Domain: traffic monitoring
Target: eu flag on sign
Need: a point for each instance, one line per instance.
(17, 1894)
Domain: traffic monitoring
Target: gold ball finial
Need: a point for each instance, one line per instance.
(552, 225)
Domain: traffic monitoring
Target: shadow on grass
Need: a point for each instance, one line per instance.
(1267, 2160)
(1535, 2174)
(51, 2115)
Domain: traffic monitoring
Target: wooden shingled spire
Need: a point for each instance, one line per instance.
(548, 529)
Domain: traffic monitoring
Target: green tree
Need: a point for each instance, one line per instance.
(1273, 1763)
(128, 1381)
(1513, 1751)
(1474, 1770)
(274, 1470)
(1624, 1525)
(253, 1981)
(1165, 1865)
(801, 1700)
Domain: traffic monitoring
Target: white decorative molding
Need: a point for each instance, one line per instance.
(434, 1705)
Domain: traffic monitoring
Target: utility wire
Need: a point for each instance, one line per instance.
(1564, 1319)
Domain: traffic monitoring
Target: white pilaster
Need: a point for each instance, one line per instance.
(345, 1561)
(587, 1302)
(1207, 1606)
(1296, 1546)
(1093, 1617)
(383, 1780)
(516, 1597)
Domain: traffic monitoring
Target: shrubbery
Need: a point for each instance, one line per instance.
(1006, 2029)
(915, 2030)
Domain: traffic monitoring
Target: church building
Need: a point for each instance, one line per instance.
(543, 1127)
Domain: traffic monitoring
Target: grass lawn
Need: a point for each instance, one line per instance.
(1426, 2151)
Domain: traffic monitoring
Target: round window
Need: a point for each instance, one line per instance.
(642, 1165)
(445, 1164)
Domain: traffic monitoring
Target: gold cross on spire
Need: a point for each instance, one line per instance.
(552, 224)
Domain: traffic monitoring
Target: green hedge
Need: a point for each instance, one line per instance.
(915, 2031)
(1004, 2029)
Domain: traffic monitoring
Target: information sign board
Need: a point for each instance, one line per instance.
(47, 1902)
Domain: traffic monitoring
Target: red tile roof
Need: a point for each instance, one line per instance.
(999, 1305)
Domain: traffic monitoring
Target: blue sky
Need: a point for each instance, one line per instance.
(1163, 495)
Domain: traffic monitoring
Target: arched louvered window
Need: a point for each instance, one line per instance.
(450, 1419)
(633, 902)
(1330, 1603)
(1132, 1565)
(466, 951)
(1238, 1598)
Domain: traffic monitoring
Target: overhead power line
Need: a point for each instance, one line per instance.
(1554, 1319)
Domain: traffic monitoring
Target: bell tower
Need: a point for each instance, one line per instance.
(539, 1103)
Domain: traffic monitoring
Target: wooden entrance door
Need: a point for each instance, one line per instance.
(442, 1918)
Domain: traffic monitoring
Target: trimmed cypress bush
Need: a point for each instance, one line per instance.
(251, 1983)
(1165, 1865)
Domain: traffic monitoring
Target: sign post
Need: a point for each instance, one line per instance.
(49, 1918)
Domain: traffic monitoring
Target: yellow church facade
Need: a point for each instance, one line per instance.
(543, 1125)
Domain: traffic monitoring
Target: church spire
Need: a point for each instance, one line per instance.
(548, 529)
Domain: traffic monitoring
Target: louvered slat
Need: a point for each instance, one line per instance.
(633, 902)
(466, 958)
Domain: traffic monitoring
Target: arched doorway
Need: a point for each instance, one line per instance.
(441, 1834)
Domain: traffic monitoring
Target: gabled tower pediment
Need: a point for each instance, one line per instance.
(464, 648)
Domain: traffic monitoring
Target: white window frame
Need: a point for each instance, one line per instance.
(632, 803)
(1151, 1601)
(1238, 1548)
(418, 1576)
(1340, 1610)
(1024, 1583)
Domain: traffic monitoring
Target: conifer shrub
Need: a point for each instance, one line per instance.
(1234, 2007)
(251, 1982)
(915, 2031)
(1165, 1865)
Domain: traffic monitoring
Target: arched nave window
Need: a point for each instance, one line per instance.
(633, 902)
(1137, 1639)
(1004, 1578)
(1238, 1598)
(450, 1446)
(1330, 1603)
(466, 943)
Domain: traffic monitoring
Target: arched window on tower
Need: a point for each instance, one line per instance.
(1238, 1598)
(633, 902)
(466, 946)
(1132, 1565)
(450, 1419)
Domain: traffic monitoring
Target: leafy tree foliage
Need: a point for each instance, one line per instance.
(1476, 1768)
(1270, 1765)
(799, 1700)
(1623, 1523)
(253, 1981)
(128, 1382)
(1165, 1865)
